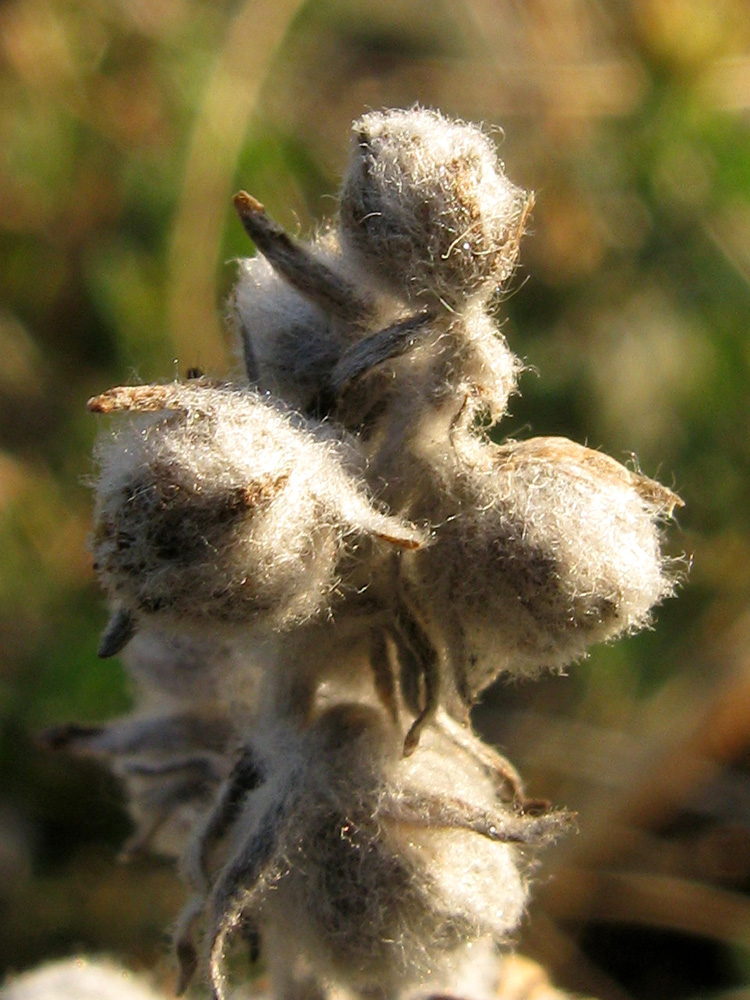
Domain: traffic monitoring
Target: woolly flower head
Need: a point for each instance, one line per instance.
(427, 208)
(303, 661)
(214, 506)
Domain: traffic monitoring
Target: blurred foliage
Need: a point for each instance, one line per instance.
(126, 125)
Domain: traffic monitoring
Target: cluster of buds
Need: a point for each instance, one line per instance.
(316, 569)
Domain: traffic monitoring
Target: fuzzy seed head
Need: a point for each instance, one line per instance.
(303, 662)
(79, 978)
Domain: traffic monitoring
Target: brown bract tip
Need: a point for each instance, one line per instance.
(401, 542)
(143, 398)
(245, 204)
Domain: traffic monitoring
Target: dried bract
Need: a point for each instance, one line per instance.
(289, 344)
(175, 748)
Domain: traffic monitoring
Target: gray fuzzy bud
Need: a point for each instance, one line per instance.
(550, 547)
(213, 506)
(371, 870)
(427, 209)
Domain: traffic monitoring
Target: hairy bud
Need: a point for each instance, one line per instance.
(289, 344)
(427, 208)
(214, 506)
(551, 547)
(365, 868)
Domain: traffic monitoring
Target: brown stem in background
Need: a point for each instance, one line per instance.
(220, 129)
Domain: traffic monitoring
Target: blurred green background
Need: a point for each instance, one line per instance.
(125, 127)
